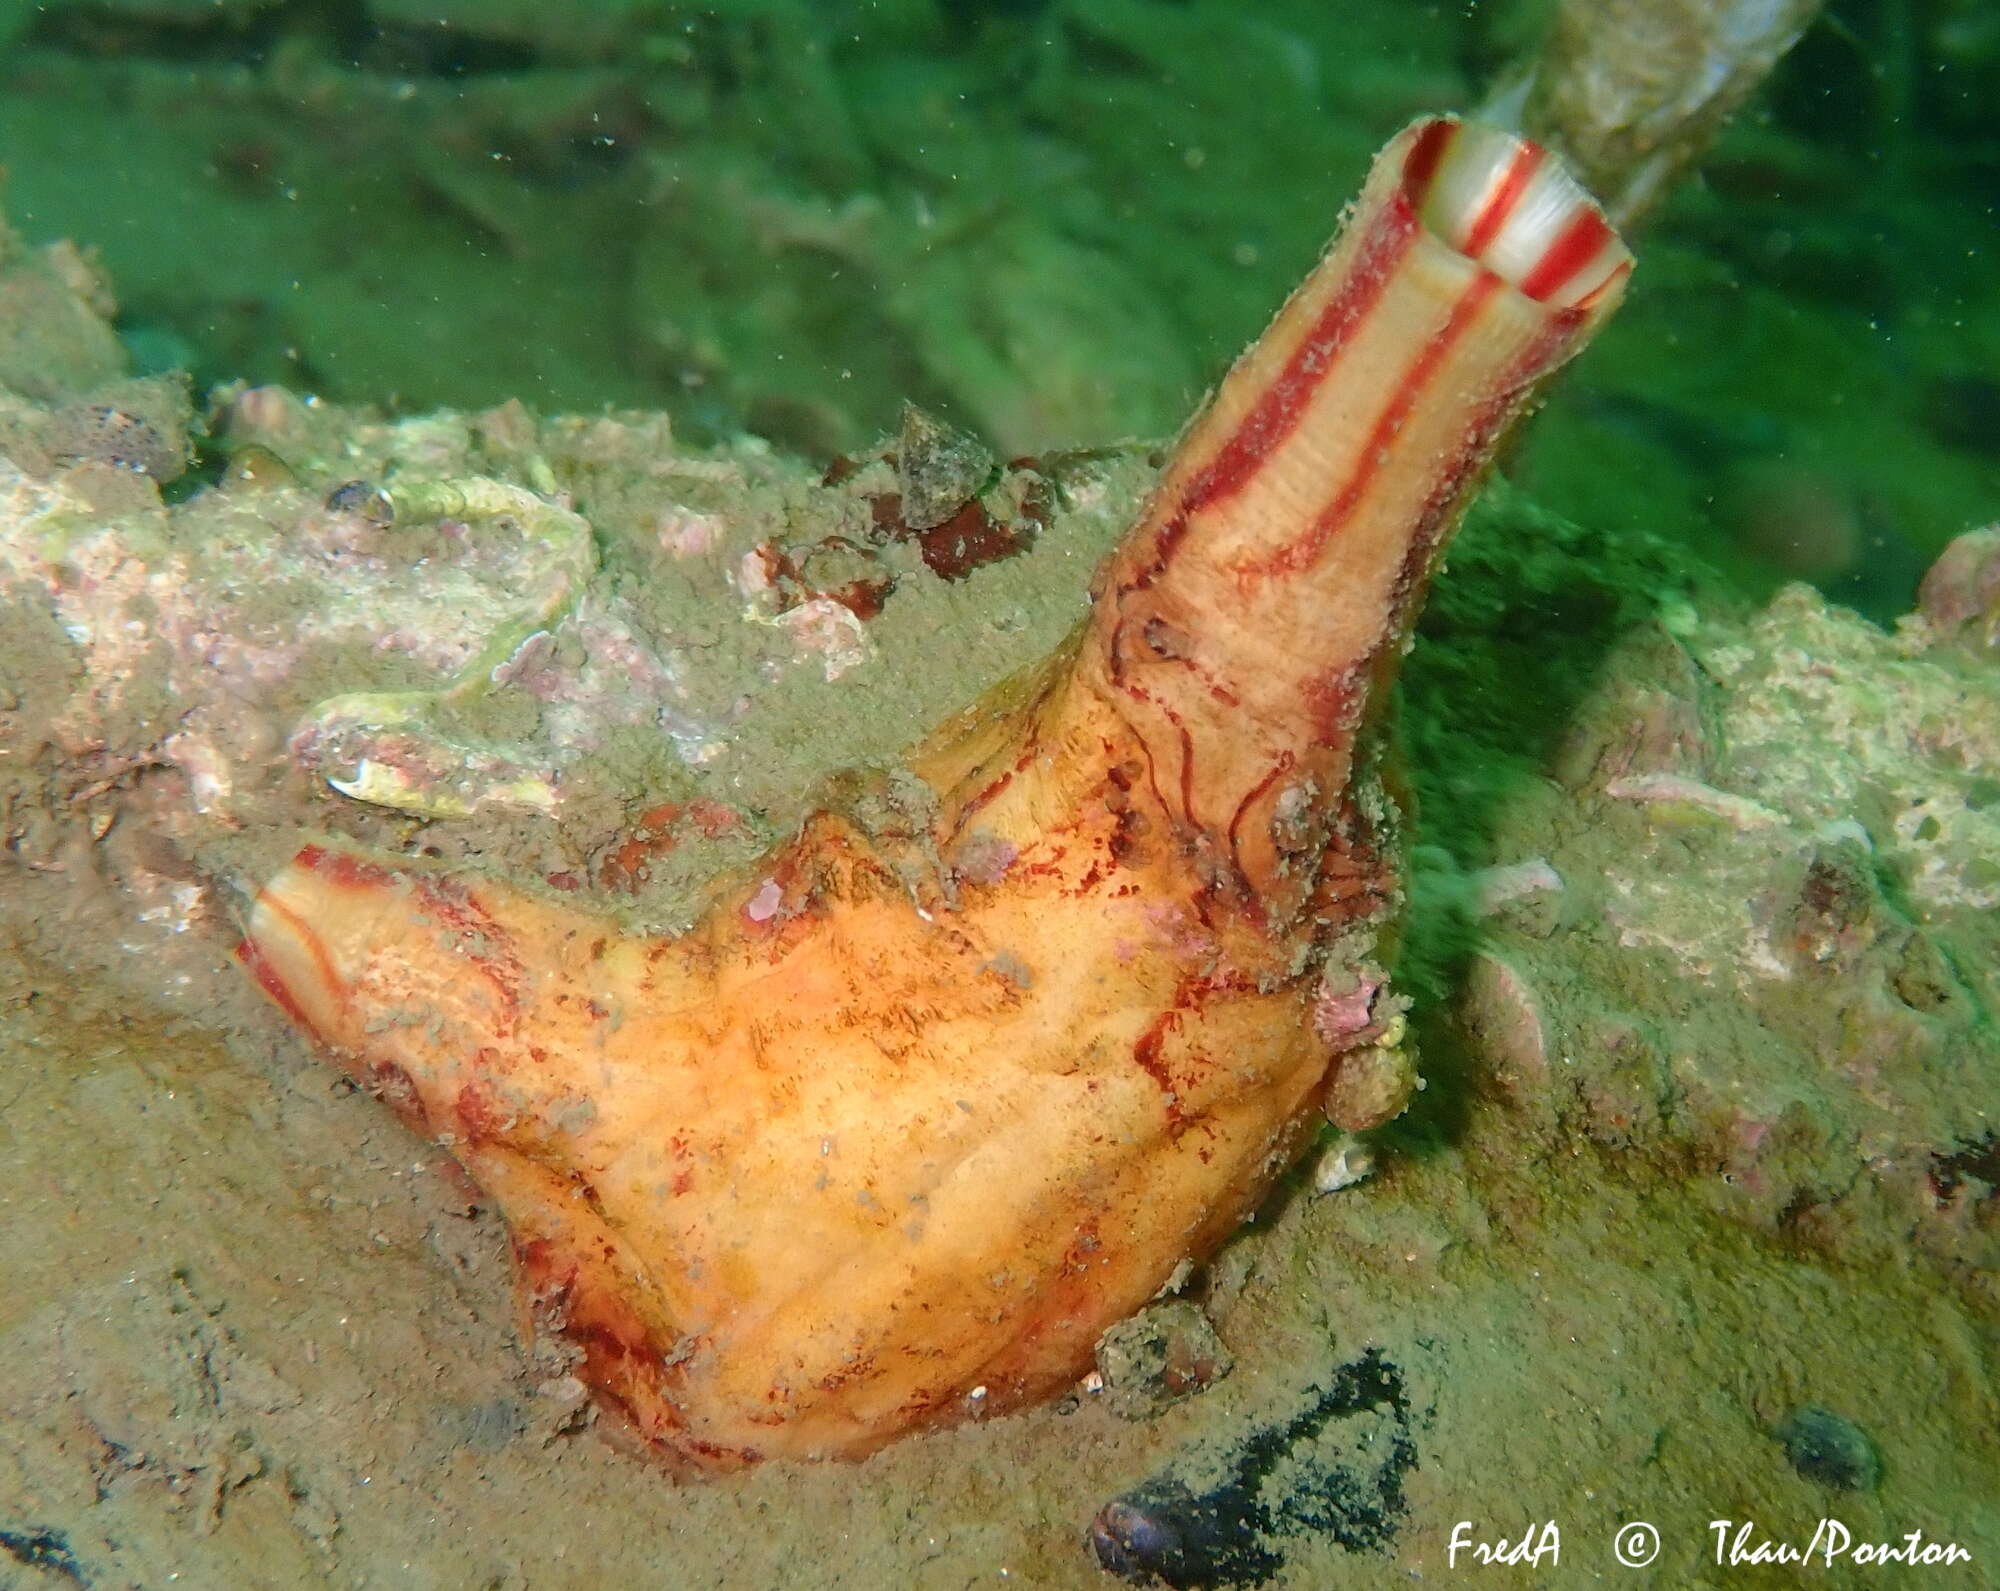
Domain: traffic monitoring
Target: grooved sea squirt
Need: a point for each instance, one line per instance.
(906, 1119)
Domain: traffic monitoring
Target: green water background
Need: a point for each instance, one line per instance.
(1052, 222)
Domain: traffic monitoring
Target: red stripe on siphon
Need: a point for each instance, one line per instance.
(1420, 166)
(1283, 403)
(1303, 552)
(1582, 241)
(1506, 194)
(1454, 478)
(1284, 400)
(1590, 299)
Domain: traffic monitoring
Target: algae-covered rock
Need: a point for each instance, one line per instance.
(551, 639)
(56, 339)
(1768, 971)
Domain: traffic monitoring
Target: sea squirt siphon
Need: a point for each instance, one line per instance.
(905, 1121)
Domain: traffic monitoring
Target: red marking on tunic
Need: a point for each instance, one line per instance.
(1152, 775)
(1129, 829)
(1021, 764)
(343, 868)
(1164, 651)
(1146, 1055)
(1331, 696)
(253, 961)
(481, 1116)
(1278, 769)
(1187, 766)
(1114, 653)
(984, 796)
(1330, 699)
(1048, 867)
(1452, 479)
(482, 942)
(620, 1362)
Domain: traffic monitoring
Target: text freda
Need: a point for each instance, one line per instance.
(1535, 1546)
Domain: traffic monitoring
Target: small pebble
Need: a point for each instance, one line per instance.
(1824, 1447)
(87, 432)
(363, 499)
(1345, 1161)
(938, 468)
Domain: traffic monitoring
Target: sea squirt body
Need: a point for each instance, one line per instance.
(895, 1131)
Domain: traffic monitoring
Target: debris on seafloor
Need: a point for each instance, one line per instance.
(1826, 1448)
(1007, 1050)
(1332, 1467)
(1149, 1362)
(938, 469)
